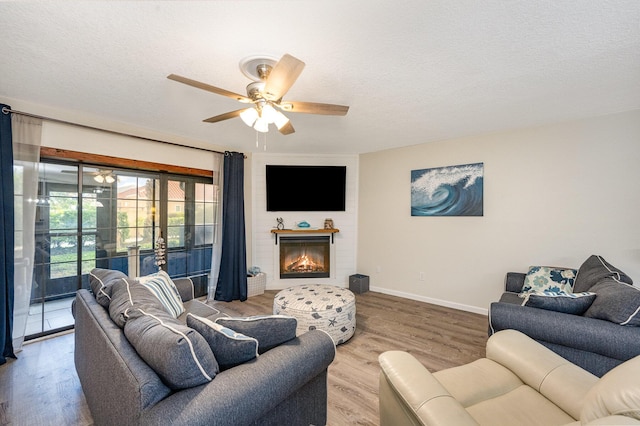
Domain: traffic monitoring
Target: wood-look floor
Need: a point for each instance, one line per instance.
(42, 388)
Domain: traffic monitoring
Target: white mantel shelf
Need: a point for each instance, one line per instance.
(304, 231)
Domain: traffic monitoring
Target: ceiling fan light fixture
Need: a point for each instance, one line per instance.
(269, 113)
(249, 116)
(281, 120)
(99, 178)
(274, 116)
(109, 178)
(261, 125)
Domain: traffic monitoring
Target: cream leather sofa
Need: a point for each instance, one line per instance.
(520, 382)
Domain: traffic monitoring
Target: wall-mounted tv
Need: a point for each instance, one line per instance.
(306, 188)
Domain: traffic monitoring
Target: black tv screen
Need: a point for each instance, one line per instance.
(306, 188)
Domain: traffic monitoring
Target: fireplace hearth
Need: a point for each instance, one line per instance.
(305, 257)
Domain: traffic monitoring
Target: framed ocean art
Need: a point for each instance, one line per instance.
(448, 191)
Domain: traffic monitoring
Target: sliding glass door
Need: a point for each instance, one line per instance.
(55, 269)
(90, 217)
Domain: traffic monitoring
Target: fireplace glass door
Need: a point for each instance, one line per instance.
(305, 257)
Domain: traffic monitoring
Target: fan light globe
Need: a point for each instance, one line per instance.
(269, 113)
(280, 120)
(249, 116)
(262, 125)
(274, 116)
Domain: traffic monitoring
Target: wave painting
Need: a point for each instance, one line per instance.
(448, 191)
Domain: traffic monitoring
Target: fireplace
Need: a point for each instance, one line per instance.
(305, 257)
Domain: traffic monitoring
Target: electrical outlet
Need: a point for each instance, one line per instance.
(378, 269)
(421, 276)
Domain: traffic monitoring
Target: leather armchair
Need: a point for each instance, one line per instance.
(520, 382)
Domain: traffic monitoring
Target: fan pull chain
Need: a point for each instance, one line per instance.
(264, 141)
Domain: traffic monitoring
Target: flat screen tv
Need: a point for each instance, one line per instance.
(306, 188)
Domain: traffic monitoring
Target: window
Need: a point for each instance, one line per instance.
(89, 216)
(190, 225)
(136, 209)
(176, 217)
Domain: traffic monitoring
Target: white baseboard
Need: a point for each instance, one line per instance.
(439, 302)
(468, 308)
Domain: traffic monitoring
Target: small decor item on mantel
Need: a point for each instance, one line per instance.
(160, 251)
(328, 223)
(304, 224)
(280, 223)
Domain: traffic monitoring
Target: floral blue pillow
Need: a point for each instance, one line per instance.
(568, 303)
(548, 278)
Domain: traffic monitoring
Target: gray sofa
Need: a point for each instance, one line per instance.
(284, 385)
(595, 344)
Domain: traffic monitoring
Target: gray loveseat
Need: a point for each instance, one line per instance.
(284, 385)
(594, 340)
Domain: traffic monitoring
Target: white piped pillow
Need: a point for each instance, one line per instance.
(229, 347)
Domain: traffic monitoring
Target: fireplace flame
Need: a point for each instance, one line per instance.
(304, 264)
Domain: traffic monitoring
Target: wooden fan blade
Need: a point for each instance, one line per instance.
(314, 108)
(209, 88)
(287, 129)
(225, 116)
(282, 77)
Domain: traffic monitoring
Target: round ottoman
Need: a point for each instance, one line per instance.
(318, 306)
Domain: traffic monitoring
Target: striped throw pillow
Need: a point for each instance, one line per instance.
(163, 287)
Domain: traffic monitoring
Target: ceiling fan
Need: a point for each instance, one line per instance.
(271, 80)
(106, 176)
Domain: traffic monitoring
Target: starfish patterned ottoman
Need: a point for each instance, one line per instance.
(318, 306)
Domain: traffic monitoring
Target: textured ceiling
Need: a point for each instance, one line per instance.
(411, 71)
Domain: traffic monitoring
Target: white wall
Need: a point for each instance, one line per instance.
(74, 138)
(552, 196)
(263, 244)
(70, 137)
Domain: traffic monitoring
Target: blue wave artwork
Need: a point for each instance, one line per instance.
(448, 191)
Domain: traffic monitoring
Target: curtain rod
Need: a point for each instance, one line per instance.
(6, 110)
